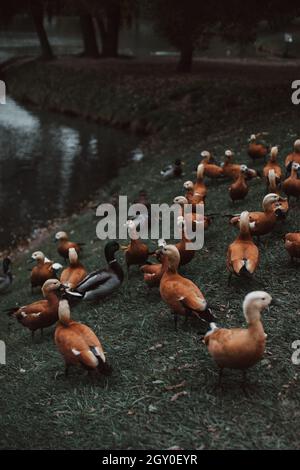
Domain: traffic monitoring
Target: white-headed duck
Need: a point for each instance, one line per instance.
(43, 270)
(293, 157)
(40, 314)
(75, 272)
(64, 245)
(291, 185)
(78, 344)
(185, 255)
(242, 254)
(233, 170)
(257, 149)
(238, 190)
(210, 168)
(273, 187)
(273, 165)
(181, 294)
(137, 252)
(240, 348)
(153, 272)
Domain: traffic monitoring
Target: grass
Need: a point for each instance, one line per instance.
(40, 408)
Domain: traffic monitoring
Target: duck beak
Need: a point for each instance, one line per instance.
(31, 260)
(276, 302)
(63, 288)
(124, 247)
(207, 315)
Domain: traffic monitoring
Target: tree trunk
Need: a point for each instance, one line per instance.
(89, 36)
(110, 29)
(186, 59)
(37, 13)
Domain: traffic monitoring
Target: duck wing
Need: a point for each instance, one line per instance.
(93, 280)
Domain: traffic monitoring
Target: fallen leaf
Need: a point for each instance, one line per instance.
(178, 395)
(173, 387)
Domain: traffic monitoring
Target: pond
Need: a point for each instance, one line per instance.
(49, 164)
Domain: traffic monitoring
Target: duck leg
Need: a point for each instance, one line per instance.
(32, 335)
(244, 382)
(229, 279)
(42, 332)
(220, 377)
(175, 321)
(67, 366)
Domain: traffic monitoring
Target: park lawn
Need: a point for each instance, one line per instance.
(133, 408)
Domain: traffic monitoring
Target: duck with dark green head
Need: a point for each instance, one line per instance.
(6, 276)
(102, 282)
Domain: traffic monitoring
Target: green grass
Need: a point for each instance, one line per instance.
(40, 408)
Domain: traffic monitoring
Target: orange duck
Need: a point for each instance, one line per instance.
(262, 223)
(210, 168)
(200, 188)
(239, 189)
(43, 270)
(190, 195)
(64, 244)
(233, 170)
(137, 252)
(274, 188)
(273, 165)
(78, 344)
(154, 272)
(240, 348)
(291, 186)
(257, 149)
(292, 244)
(185, 255)
(193, 217)
(293, 157)
(242, 254)
(181, 294)
(40, 314)
(75, 273)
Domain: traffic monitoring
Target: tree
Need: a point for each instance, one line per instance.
(36, 9)
(183, 23)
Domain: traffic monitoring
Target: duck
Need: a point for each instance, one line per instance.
(262, 223)
(74, 273)
(190, 195)
(173, 171)
(154, 272)
(238, 190)
(137, 252)
(6, 276)
(242, 254)
(179, 293)
(78, 343)
(210, 168)
(257, 149)
(233, 170)
(291, 185)
(273, 187)
(292, 244)
(43, 270)
(143, 198)
(64, 244)
(240, 348)
(273, 165)
(292, 157)
(102, 282)
(186, 255)
(200, 189)
(42, 313)
(196, 215)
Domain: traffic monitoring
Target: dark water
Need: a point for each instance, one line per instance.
(49, 164)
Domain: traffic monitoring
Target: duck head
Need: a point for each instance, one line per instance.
(206, 156)
(110, 249)
(37, 256)
(244, 170)
(178, 162)
(188, 185)
(172, 254)
(200, 171)
(252, 138)
(181, 200)
(254, 303)
(297, 146)
(269, 199)
(273, 153)
(229, 156)
(52, 285)
(60, 236)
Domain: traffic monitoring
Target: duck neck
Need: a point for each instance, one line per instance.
(114, 265)
(294, 173)
(255, 325)
(244, 228)
(52, 298)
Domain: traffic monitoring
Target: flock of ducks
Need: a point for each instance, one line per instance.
(237, 348)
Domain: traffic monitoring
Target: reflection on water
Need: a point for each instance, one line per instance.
(49, 164)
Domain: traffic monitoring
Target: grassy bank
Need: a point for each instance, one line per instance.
(133, 408)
